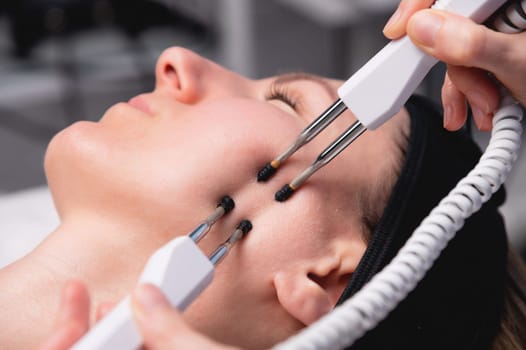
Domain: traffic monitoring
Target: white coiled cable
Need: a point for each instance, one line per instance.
(351, 320)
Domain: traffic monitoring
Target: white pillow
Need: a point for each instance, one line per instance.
(26, 217)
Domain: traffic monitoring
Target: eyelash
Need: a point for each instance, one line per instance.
(281, 93)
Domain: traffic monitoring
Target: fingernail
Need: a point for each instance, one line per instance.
(479, 101)
(395, 18)
(482, 119)
(481, 110)
(425, 27)
(148, 299)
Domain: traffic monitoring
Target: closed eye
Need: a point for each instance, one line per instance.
(281, 93)
(300, 99)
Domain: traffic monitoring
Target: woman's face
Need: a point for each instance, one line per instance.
(164, 159)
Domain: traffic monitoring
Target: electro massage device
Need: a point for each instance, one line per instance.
(181, 270)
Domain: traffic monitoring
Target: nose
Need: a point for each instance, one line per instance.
(190, 78)
(178, 71)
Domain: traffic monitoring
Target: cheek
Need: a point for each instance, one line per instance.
(286, 236)
(89, 165)
(225, 145)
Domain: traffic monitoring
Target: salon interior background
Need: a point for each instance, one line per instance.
(66, 60)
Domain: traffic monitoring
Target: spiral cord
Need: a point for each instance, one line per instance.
(351, 320)
(513, 19)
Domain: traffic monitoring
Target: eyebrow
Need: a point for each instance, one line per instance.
(298, 76)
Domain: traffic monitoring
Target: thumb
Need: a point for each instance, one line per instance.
(156, 319)
(459, 41)
(161, 325)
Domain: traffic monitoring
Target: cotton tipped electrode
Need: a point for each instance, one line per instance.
(225, 205)
(268, 170)
(305, 136)
(284, 193)
(240, 232)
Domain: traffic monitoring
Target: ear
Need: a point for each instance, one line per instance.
(311, 289)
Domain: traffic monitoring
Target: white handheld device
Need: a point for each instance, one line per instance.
(383, 85)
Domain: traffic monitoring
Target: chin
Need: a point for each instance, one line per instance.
(70, 146)
(68, 160)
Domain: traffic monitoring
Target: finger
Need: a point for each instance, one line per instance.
(155, 319)
(396, 26)
(72, 320)
(459, 41)
(102, 310)
(161, 326)
(74, 305)
(480, 91)
(454, 101)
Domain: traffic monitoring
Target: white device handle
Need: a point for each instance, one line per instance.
(182, 272)
(383, 85)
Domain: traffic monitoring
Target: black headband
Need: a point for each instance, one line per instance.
(458, 303)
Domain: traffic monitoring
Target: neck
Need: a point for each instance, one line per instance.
(106, 254)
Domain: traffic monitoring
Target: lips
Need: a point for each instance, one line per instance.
(140, 103)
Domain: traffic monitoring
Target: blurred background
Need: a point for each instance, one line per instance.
(68, 60)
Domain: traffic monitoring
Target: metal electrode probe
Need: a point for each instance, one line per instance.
(311, 131)
(223, 207)
(328, 154)
(241, 231)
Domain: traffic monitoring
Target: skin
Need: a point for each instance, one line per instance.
(470, 50)
(153, 168)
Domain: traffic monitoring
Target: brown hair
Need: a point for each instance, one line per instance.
(512, 332)
(374, 200)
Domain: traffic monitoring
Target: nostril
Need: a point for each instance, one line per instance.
(171, 75)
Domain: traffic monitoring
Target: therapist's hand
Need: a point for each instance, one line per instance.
(470, 50)
(162, 327)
